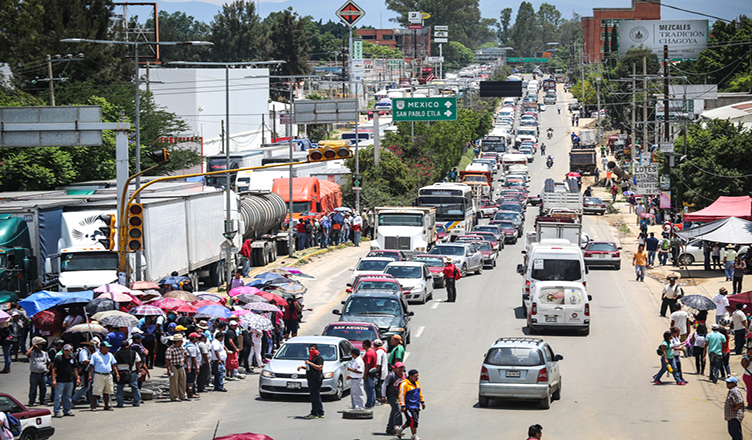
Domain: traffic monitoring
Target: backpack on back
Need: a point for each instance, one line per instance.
(14, 425)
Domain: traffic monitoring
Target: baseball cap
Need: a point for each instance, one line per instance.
(181, 328)
(67, 347)
(399, 365)
(732, 379)
(193, 335)
(106, 344)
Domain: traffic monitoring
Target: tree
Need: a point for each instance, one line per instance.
(549, 20)
(457, 55)
(181, 27)
(524, 35)
(289, 43)
(371, 50)
(504, 21)
(238, 34)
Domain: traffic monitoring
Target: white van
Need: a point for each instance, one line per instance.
(505, 112)
(551, 260)
(559, 305)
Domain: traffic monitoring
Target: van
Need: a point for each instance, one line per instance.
(559, 305)
(551, 260)
(506, 112)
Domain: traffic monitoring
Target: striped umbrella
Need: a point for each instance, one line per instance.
(168, 303)
(146, 310)
(209, 296)
(124, 320)
(186, 308)
(261, 307)
(181, 294)
(248, 298)
(257, 322)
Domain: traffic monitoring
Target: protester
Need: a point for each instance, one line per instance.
(357, 223)
(291, 315)
(7, 341)
(356, 371)
(39, 366)
(721, 304)
(100, 375)
(747, 376)
(411, 402)
(699, 345)
(670, 294)
(391, 396)
(728, 261)
(231, 344)
(398, 350)
(733, 409)
(741, 328)
(739, 266)
(219, 357)
(664, 247)
(535, 432)
(314, 367)
(715, 255)
(651, 245)
(639, 260)
(678, 350)
(236, 281)
(83, 357)
(193, 363)
(382, 364)
(715, 352)
(128, 367)
(245, 257)
(667, 361)
(176, 359)
(680, 319)
(204, 372)
(369, 381)
(255, 352)
(64, 379)
(451, 275)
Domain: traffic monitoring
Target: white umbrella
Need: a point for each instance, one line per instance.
(115, 288)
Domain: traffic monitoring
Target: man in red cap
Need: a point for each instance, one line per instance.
(391, 393)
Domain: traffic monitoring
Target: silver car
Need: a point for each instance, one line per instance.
(464, 255)
(520, 369)
(281, 376)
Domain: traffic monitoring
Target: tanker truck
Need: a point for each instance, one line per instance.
(262, 213)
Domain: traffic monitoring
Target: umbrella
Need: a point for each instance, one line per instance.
(115, 288)
(144, 285)
(86, 328)
(343, 209)
(244, 289)
(46, 299)
(168, 303)
(150, 295)
(146, 310)
(250, 298)
(238, 313)
(273, 298)
(292, 288)
(245, 436)
(573, 174)
(48, 320)
(4, 316)
(269, 276)
(629, 193)
(216, 311)
(181, 294)
(186, 308)
(203, 303)
(101, 315)
(75, 300)
(100, 305)
(6, 296)
(293, 270)
(135, 292)
(120, 320)
(173, 280)
(261, 307)
(698, 302)
(120, 297)
(258, 282)
(647, 215)
(257, 322)
(209, 296)
(281, 271)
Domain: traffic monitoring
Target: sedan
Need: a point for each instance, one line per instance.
(509, 230)
(281, 376)
(436, 265)
(415, 279)
(464, 255)
(35, 423)
(602, 253)
(593, 205)
(490, 253)
(515, 207)
(387, 253)
(510, 216)
(355, 332)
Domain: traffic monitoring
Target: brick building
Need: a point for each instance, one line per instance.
(409, 41)
(604, 19)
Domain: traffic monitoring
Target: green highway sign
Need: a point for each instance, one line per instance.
(527, 60)
(424, 109)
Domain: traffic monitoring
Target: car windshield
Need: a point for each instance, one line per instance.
(299, 352)
(481, 179)
(89, 261)
(505, 225)
(404, 271)
(490, 229)
(560, 296)
(485, 246)
(384, 254)
(363, 305)
(505, 216)
(375, 265)
(514, 357)
(594, 200)
(510, 207)
(352, 332)
(440, 228)
(430, 261)
(556, 270)
(378, 285)
(400, 219)
(448, 250)
(601, 247)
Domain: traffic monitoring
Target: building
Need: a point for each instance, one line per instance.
(594, 28)
(413, 43)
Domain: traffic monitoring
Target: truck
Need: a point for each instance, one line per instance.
(583, 155)
(549, 84)
(480, 179)
(405, 228)
(18, 265)
(311, 197)
(553, 198)
(262, 214)
(238, 159)
(548, 228)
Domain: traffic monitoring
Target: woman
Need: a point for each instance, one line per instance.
(715, 255)
(677, 347)
(667, 361)
(747, 377)
(699, 347)
(725, 369)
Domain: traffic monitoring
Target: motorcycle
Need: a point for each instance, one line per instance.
(550, 163)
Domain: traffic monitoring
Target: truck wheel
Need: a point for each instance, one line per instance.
(272, 252)
(215, 273)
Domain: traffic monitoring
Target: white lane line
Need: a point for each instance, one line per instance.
(420, 331)
(407, 355)
(436, 304)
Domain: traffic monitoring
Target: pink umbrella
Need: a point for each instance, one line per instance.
(292, 269)
(112, 288)
(244, 289)
(203, 302)
(186, 308)
(119, 297)
(240, 312)
(4, 316)
(168, 303)
(245, 436)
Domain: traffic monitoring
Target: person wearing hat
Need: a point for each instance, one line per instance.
(411, 403)
(357, 224)
(176, 357)
(100, 375)
(204, 355)
(721, 304)
(64, 378)
(231, 344)
(733, 408)
(451, 275)
(738, 267)
(116, 338)
(671, 293)
(194, 362)
(728, 261)
(39, 366)
(715, 352)
(391, 396)
(398, 350)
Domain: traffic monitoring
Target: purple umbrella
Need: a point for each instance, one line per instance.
(218, 311)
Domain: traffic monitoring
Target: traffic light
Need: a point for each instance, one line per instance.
(135, 227)
(109, 231)
(329, 153)
(159, 156)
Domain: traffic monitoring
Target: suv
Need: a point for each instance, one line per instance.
(520, 369)
(386, 309)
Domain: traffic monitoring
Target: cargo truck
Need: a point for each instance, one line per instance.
(405, 228)
(480, 180)
(583, 154)
(310, 196)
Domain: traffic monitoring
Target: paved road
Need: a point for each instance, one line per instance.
(606, 376)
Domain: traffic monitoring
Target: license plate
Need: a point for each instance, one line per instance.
(550, 318)
(513, 374)
(293, 385)
(602, 256)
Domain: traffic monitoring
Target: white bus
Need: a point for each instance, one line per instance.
(454, 205)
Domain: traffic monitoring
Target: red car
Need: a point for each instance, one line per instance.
(489, 236)
(387, 253)
(509, 230)
(355, 332)
(490, 253)
(602, 253)
(35, 423)
(369, 276)
(376, 283)
(441, 233)
(436, 265)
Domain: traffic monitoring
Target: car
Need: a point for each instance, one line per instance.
(487, 208)
(436, 265)
(379, 281)
(528, 152)
(369, 265)
(386, 309)
(35, 423)
(593, 205)
(517, 184)
(559, 305)
(281, 376)
(602, 253)
(493, 234)
(464, 255)
(520, 193)
(415, 279)
(355, 332)
(510, 216)
(441, 233)
(490, 253)
(691, 253)
(387, 253)
(515, 207)
(541, 107)
(509, 199)
(509, 230)
(534, 200)
(519, 368)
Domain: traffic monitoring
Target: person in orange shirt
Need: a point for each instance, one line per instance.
(639, 261)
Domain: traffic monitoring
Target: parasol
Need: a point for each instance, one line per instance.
(258, 282)
(273, 298)
(85, 328)
(268, 276)
(292, 288)
(119, 297)
(146, 310)
(257, 322)
(261, 307)
(144, 285)
(173, 280)
(48, 320)
(101, 315)
(181, 294)
(120, 320)
(244, 289)
(209, 296)
(203, 303)
(573, 174)
(185, 308)
(100, 305)
(217, 311)
(249, 298)
(238, 313)
(46, 299)
(114, 288)
(4, 316)
(698, 302)
(168, 303)
(244, 436)
(629, 193)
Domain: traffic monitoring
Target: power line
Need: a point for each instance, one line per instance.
(661, 3)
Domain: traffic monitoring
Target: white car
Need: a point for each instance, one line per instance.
(414, 277)
(559, 305)
(465, 256)
(369, 265)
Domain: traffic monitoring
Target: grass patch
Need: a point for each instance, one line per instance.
(465, 160)
(624, 229)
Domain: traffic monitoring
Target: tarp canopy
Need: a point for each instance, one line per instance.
(46, 299)
(723, 207)
(729, 230)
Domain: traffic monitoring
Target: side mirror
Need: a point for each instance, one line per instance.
(410, 313)
(590, 297)
(336, 312)
(558, 357)
(348, 284)
(520, 269)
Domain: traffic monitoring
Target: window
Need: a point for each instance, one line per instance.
(514, 357)
(556, 270)
(387, 37)
(377, 265)
(7, 405)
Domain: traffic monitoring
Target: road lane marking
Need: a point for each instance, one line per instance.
(420, 331)
(436, 304)
(407, 355)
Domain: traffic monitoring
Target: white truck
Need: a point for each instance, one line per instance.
(405, 228)
(561, 201)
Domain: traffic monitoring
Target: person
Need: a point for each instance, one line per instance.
(588, 192)
(357, 223)
(715, 352)
(411, 402)
(678, 349)
(639, 260)
(670, 294)
(577, 120)
(733, 409)
(549, 161)
(543, 149)
(550, 132)
(596, 176)
(664, 247)
(302, 236)
(355, 370)
(128, 366)
(236, 281)
(83, 357)
(747, 376)
(391, 396)
(204, 371)
(535, 432)
(7, 341)
(116, 338)
(728, 261)
(398, 350)
(231, 344)
(64, 379)
(314, 366)
(558, 108)
(194, 362)
(651, 245)
(614, 188)
(726, 352)
(451, 275)
(680, 319)
(741, 328)
(604, 162)
(699, 348)
(219, 357)
(290, 317)
(346, 228)
(369, 382)
(667, 361)
(100, 375)
(176, 358)
(255, 352)
(39, 366)
(715, 255)
(326, 226)
(245, 257)
(739, 267)
(382, 364)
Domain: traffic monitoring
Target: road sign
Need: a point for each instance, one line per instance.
(415, 26)
(425, 15)
(646, 179)
(424, 109)
(527, 60)
(667, 147)
(443, 34)
(440, 40)
(285, 119)
(500, 89)
(350, 13)
(414, 17)
(441, 28)
(434, 59)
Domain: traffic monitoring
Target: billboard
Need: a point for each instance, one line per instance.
(685, 38)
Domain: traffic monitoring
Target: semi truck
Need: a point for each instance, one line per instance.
(262, 215)
(583, 155)
(479, 179)
(18, 265)
(310, 196)
(405, 228)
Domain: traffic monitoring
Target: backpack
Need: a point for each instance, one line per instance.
(308, 228)
(14, 425)
(665, 244)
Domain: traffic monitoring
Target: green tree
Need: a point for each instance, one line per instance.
(238, 34)
(549, 21)
(457, 55)
(524, 35)
(289, 43)
(505, 20)
(371, 50)
(181, 27)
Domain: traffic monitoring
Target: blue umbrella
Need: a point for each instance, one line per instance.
(258, 282)
(77, 299)
(45, 299)
(173, 280)
(268, 276)
(214, 310)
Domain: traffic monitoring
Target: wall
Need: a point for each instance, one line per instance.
(592, 29)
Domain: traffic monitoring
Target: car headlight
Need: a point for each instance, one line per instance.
(267, 373)
(328, 375)
(397, 329)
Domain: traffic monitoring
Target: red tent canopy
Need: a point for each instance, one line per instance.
(723, 207)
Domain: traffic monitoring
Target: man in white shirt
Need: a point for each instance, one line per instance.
(205, 356)
(382, 363)
(671, 293)
(680, 319)
(255, 352)
(355, 369)
(741, 327)
(219, 356)
(721, 304)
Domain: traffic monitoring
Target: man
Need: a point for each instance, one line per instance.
(596, 176)
(639, 260)
(664, 247)
(369, 383)
(193, 364)
(39, 366)
(411, 402)
(326, 226)
(451, 275)
(391, 395)
(314, 367)
(219, 357)
(128, 365)
(614, 188)
(231, 344)
(715, 353)
(237, 281)
(116, 338)
(741, 328)
(728, 261)
(100, 375)
(671, 293)
(706, 250)
(346, 228)
(64, 378)
(290, 317)
(398, 350)
(680, 319)
(255, 349)
(357, 223)
(534, 432)
(176, 357)
(604, 162)
(382, 364)
(651, 245)
(356, 370)
(245, 257)
(739, 266)
(84, 356)
(204, 371)
(733, 409)
(639, 209)
(302, 236)
(721, 304)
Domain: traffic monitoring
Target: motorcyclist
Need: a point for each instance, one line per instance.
(549, 161)
(550, 132)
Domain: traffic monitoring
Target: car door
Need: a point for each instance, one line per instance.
(554, 375)
(550, 302)
(428, 279)
(344, 357)
(474, 257)
(574, 306)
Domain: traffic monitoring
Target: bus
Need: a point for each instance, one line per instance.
(454, 206)
(549, 84)
(493, 144)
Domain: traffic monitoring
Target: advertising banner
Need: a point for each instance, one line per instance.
(685, 38)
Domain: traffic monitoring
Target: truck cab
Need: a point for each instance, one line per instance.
(405, 228)
(18, 266)
(310, 196)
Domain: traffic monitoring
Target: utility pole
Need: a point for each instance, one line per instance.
(274, 126)
(644, 102)
(376, 139)
(666, 134)
(49, 74)
(263, 139)
(147, 78)
(634, 111)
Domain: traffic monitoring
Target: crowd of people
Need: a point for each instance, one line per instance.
(336, 228)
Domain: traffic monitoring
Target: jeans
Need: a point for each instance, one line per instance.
(204, 375)
(735, 429)
(662, 258)
(37, 381)
(356, 239)
(664, 368)
(699, 361)
(395, 415)
(640, 271)
(134, 389)
(370, 387)
(85, 389)
(739, 340)
(302, 240)
(737, 284)
(314, 388)
(651, 258)
(246, 266)
(728, 265)
(7, 350)
(64, 390)
(716, 362)
(218, 369)
(323, 239)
